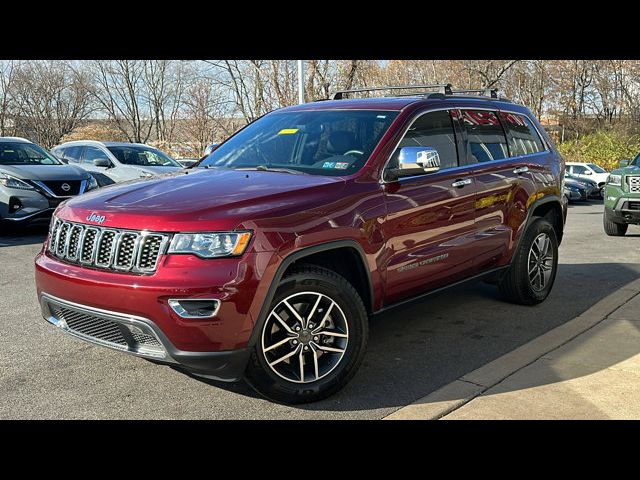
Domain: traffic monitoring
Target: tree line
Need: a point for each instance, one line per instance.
(197, 102)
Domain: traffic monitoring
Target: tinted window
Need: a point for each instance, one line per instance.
(141, 156)
(94, 153)
(523, 139)
(578, 170)
(72, 154)
(486, 138)
(19, 153)
(434, 130)
(596, 168)
(317, 142)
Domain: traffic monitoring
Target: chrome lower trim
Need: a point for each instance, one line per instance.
(118, 318)
(174, 303)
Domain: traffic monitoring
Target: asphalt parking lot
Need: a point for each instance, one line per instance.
(413, 350)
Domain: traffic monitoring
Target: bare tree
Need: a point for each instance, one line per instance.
(7, 76)
(119, 88)
(51, 98)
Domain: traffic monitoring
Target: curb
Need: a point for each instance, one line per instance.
(452, 396)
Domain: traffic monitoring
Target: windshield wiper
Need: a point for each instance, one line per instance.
(265, 168)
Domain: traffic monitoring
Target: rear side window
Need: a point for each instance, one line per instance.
(434, 130)
(523, 138)
(71, 154)
(485, 136)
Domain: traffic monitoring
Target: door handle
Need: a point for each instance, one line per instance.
(461, 183)
(521, 170)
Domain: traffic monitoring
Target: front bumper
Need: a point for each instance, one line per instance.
(216, 346)
(138, 336)
(625, 210)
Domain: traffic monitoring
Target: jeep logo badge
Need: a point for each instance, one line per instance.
(66, 187)
(94, 217)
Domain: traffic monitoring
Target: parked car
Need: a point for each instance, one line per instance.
(113, 162)
(622, 198)
(589, 171)
(187, 162)
(33, 182)
(578, 190)
(590, 186)
(267, 260)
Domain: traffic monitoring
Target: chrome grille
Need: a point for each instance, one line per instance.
(107, 248)
(634, 184)
(105, 328)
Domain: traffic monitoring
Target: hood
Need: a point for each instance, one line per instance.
(576, 183)
(628, 170)
(45, 172)
(202, 199)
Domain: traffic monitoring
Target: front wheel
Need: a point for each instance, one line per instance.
(612, 228)
(533, 270)
(313, 339)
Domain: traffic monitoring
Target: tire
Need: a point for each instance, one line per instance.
(517, 284)
(612, 228)
(347, 325)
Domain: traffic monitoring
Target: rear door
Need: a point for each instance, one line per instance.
(504, 177)
(430, 221)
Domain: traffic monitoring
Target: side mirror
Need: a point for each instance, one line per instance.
(415, 161)
(624, 163)
(588, 172)
(210, 148)
(102, 162)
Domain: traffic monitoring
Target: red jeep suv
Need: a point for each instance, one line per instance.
(266, 261)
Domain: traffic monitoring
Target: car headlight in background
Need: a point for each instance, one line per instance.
(210, 244)
(614, 180)
(13, 182)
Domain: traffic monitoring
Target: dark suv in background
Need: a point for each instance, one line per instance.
(266, 261)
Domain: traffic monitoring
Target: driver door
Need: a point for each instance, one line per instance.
(429, 229)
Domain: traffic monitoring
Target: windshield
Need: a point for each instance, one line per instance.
(596, 168)
(19, 153)
(317, 142)
(142, 156)
(636, 161)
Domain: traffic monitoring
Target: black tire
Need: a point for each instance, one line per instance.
(516, 284)
(612, 228)
(311, 278)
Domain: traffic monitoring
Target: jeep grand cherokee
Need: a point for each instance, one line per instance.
(266, 260)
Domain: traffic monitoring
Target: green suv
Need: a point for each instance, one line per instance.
(622, 198)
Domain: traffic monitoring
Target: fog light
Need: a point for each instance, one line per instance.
(194, 307)
(14, 204)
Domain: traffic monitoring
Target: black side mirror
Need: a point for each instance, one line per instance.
(102, 162)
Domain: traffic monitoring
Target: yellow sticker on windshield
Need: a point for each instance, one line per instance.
(288, 131)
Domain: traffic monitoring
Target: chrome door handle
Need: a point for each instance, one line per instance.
(461, 183)
(521, 169)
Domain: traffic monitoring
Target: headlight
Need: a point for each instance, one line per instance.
(91, 183)
(210, 244)
(614, 180)
(12, 182)
(146, 175)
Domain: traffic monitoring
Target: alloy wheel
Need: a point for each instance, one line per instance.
(305, 337)
(540, 262)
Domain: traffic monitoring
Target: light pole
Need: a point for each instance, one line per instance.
(300, 81)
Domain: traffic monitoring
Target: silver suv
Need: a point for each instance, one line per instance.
(116, 162)
(33, 182)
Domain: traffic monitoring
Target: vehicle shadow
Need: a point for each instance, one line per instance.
(418, 348)
(11, 236)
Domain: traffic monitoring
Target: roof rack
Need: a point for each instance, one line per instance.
(487, 92)
(444, 88)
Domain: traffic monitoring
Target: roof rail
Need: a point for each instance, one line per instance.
(444, 88)
(17, 138)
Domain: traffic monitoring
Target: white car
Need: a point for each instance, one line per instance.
(111, 162)
(589, 171)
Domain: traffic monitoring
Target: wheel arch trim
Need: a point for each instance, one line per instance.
(299, 255)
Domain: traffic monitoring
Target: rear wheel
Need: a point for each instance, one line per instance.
(313, 339)
(531, 275)
(612, 228)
